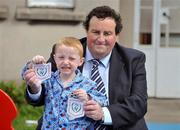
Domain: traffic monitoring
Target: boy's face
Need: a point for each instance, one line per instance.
(67, 59)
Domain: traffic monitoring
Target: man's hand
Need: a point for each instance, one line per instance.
(93, 110)
(32, 80)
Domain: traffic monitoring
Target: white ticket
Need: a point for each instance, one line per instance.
(75, 108)
(43, 71)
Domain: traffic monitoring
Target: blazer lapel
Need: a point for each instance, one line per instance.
(83, 42)
(116, 67)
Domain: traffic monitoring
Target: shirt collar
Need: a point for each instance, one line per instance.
(104, 61)
(78, 77)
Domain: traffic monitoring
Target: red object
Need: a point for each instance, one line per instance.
(8, 111)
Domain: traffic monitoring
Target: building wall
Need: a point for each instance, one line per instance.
(20, 40)
(127, 14)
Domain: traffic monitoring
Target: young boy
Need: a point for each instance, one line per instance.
(65, 82)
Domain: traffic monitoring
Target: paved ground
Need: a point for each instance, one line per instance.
(163, 110)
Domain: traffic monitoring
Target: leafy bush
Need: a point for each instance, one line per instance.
(25, 111)
(15, 91)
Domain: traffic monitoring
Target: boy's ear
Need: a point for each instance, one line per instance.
(81, 61)
(54, 58)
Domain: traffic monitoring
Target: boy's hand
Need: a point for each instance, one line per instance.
(38, 59)
(32, 80)
(82, 95)
(30, 76)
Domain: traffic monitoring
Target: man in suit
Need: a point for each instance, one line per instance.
(122, 71)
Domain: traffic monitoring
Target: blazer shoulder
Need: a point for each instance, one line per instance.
(125, 52)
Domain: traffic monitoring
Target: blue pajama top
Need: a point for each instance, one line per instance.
(55, 115)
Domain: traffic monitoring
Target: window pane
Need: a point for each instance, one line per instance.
(146, 22)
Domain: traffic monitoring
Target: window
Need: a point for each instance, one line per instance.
(51, 3)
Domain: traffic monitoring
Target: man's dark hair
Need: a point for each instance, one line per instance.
(103, 12)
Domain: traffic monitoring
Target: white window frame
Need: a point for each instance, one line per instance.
(51, 3)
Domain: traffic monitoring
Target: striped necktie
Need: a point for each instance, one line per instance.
(95, 76)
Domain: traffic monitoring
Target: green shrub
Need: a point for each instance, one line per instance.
(15, 91)
(25, 111)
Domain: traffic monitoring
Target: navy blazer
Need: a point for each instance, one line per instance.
(127, 88)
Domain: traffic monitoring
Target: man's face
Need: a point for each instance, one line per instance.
(101, 36)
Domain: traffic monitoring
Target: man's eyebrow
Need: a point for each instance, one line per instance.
(94, 30)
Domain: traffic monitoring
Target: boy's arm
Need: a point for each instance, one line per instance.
(34, 93)
(40, 99)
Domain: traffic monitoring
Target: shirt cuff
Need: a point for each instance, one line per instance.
(35, 96)
(107, 116)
